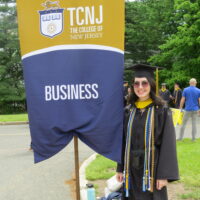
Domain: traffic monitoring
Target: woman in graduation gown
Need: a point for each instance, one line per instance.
(149, 159)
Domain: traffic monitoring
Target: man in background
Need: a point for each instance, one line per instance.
(191, 98)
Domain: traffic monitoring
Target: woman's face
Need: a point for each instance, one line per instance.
(142, 88)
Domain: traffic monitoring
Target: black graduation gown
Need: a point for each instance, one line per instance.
(125, 95)
(166, 166)
(177, 94)
(165, 95)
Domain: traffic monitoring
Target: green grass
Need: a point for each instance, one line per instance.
(195, 195)
(189, 162)
(189, 168)
(100, 168)
(13, 118)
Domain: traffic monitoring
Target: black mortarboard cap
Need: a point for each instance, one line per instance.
(177, 83)
(143, 70)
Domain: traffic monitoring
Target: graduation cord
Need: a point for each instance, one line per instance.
(148, 180)
(148, 173)
(147, 136)
(153, 151)
(176, 96)
(127, 152)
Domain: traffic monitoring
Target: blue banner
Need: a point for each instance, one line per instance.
(73, 86)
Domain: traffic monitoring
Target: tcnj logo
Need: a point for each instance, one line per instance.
(51, 19)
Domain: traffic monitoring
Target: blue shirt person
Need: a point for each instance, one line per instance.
(191, 95)
(191, 98)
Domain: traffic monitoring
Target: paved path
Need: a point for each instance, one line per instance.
(188, 129)
(20, 179)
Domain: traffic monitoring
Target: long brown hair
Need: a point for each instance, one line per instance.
(156, 99)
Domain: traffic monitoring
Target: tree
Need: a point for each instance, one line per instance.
(180, 54)
(11, 80)
(148, 23)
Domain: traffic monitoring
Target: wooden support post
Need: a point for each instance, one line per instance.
(76, 158)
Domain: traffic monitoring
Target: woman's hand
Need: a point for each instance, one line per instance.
(160, 184)
(119, 176)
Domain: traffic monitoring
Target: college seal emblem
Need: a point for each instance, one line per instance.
(51, 19)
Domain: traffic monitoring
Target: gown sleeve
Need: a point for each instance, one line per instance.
(120, 166)
(167, 167)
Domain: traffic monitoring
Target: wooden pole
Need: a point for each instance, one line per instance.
(76, 158)
(157, 82)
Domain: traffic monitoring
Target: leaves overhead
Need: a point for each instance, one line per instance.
(181, 51)
(148, 24)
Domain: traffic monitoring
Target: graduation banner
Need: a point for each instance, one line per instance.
(72, 54)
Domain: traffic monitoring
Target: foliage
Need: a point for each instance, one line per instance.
(11, 79)
(148, 23)
(180, 54)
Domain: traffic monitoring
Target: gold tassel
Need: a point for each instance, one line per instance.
(157, 82)
(153, 153)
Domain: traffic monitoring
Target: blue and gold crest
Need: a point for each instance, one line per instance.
(51, 19)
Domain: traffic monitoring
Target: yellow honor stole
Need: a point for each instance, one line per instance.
(143, 104)
(163, 90)
(177, 89)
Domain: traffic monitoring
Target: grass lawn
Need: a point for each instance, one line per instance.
(189, 167)
(100, 168)
(14, 118)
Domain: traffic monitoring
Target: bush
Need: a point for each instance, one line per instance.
(10, 107)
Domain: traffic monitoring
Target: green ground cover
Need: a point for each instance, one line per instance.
(14, 118)
(189, 167)
(100, 168)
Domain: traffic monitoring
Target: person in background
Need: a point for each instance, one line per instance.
(177, 95)
(191, 99)
(199, 103)
(165, 93)
(125, 92)
(149, 159)
(129, 95)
